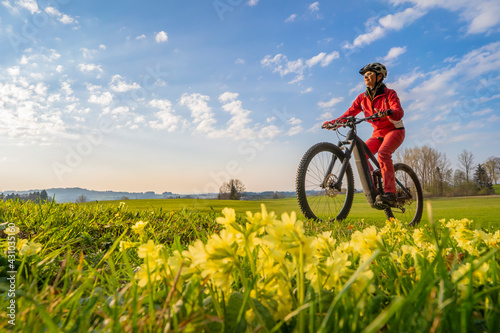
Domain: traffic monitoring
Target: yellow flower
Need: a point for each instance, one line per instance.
(126, 245)
(30, 248)
(229, 217)
(138, 228)
(21, 243)
(144, 276)
(150, 252)
(479, 276)
(10, 231)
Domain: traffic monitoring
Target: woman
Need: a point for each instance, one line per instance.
(388, 131)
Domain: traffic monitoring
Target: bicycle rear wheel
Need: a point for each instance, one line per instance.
(317, 173)
(409, 196)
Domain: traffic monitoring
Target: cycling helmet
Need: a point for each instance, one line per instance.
(375, 67)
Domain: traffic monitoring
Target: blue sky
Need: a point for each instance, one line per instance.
(183, 95)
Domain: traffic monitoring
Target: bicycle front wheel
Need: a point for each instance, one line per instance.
(317, 174)
(409, 196)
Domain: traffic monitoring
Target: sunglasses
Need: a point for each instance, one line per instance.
(367, 75)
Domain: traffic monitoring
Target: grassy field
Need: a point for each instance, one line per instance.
(484, 211)
(152, 266)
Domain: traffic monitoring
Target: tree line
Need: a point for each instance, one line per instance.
(434, 170)
(34, 196)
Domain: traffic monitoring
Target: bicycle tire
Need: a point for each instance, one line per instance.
(409, 210)
(315, 201)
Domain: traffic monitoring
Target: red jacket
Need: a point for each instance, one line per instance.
(384, 99)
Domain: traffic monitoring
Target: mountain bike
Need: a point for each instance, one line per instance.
(325, 182)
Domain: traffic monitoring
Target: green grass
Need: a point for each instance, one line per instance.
(79, 281)
(484, 211)
(497, 189)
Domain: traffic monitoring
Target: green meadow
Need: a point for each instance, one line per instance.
(483, 211)
(186, 266)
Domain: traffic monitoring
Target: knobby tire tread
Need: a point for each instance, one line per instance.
(301, 175)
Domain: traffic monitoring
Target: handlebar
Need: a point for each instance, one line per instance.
(351, 121)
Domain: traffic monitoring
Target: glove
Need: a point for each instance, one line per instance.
(382, 114)
(333, 124)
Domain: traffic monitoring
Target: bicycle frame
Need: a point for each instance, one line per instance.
(360, 151)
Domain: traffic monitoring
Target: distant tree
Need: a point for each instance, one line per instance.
(231, 190)
(124, 198)
(482, 180)
(432, 167)
(81, 198)
(44, 196)
(492, 166)
(466, 163)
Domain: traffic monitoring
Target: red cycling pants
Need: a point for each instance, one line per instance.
(386, 146)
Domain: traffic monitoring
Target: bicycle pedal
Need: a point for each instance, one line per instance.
(379, 205)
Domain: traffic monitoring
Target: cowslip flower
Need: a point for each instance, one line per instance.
(124, 245)
(12, 230)
(30, 248)
(138, 228)
(461, 276)
(149, 251)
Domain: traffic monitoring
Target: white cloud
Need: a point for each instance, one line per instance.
(392, 55)
(161, 37)
(228, 97)
(446, 91)
(117, 84)
(323, 58)
(143, 36)
(103, 99)
(295, 130)
(307, 90)
(294, 121)
(30, 5)
(240, 61)
(314, 7)
(480, 15)
(291, 18)
(13, 71)
(63, 18)
(201, 112)
(237, 125)
(389, 22)
(331, 103)
(280, 64)
(252, 2)
(166, 120)
(296, 127)
(87, 68)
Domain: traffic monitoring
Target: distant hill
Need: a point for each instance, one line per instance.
(72, 194)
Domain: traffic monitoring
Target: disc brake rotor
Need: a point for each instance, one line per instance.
(330, 181)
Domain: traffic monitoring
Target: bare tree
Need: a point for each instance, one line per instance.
(492, 166)
(81, 198)
(431, 166)
(466, 163)
(231, 190)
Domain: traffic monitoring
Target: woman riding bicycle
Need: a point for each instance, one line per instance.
(389, 131)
